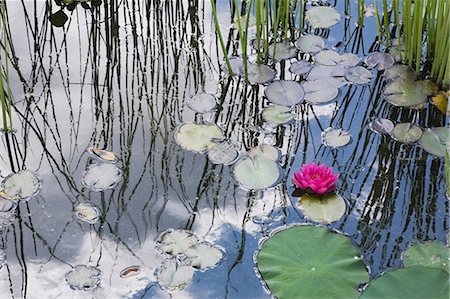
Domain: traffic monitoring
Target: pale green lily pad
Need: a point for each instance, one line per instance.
(257, 173)
(87, 213)
(400, 71)
(22, 184)
(203, 256)
(324, 72)
(300, 67)
(265, 150)
(327, 57)
(174, 276)
(381, 125)
(237, 66)
(431, 143)
(443, 133)
(176, 241)
(223, 153)
(406, 93)
(322, 17)
(198, 137)
(432, 254)
(349, 60)
(310, 43)
(358, 75)
(202, 102)
(398, 52)
(283, 92)
(283, 51)
(6, 205)
(260, 73)
(412, 283)
(406, 132)
(323, 209)
(277, 114)
(83, 278)
(320, 91)
(305, 262)
(101, 177)
(380, 61)
(336, 137)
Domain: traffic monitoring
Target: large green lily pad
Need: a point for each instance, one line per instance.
(409, 93)
(431, 143)
(310, 43)
(432, 254)
(320, 91)
(198, 137)
(310, 262)
(411, 283)
(322, 16)
(277, 114)
(260, 73)
(22, 184)
(406, 132)
(328, 58)
(257, 173)
(323, 209)
(283, 51)
(284, 92)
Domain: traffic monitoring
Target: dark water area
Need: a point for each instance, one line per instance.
(118, 78)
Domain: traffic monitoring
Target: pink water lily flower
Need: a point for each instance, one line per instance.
(316, 179)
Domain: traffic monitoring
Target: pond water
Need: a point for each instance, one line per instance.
(120, 79)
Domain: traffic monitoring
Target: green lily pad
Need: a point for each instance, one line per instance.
(327, 57)
(260, 73)
(277, 114)
(237, 66)
(336, 137)
(432, 254)
(431, 143)
(406, 132)
(320, 91)
(322, 72)
(201, 102)
(265, 150)
(382, 126)
(358, 75)
(283, 92)
(349, 60)
(223, 153)
(257, 173)
(322, 16)
(412, 283)
(283, 51)
(380, 61)
(310, 43)
(400, 71)
(198, 137)
(310, 262)
(408, 93)
(101, 177)
(22, 184)
(323, 209)
(300, 67)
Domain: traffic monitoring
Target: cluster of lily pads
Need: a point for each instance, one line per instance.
(186, 255)
(59, 18)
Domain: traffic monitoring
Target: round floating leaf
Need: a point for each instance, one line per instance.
(283, 51)
(260, 73)
(196, 137)
(405, 93)
(382, 126)
(380, 61)
(412, 283)
(58, 19)
(203, 256)
(323, 209)
(400, 71)
(320, 91)
(22, 184)
(254, 44)
(103, 155)
(265, 150)
(202, 102)
(310, 43)
(6, 205)
(349, 60)
(336, 137)
(130, 271)
(277, 114)
(257, 173)
(322, 72)
(406, 132)
(310, 262)
(237, 66)
(174, 276)
(327, 57)
(358, 75)
(87, 212)
(443, 133)
(432, 254)
(431, 142)
(101, 177)
(428, 87)
(300, 67)
(223, 153)
(83, 278)
(286, 93)
(175, 241)
(322, 16)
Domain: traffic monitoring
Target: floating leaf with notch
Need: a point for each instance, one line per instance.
(283, 92)
(322, 16)
(323, 209)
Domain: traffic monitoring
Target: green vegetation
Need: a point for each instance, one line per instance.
(5, 90)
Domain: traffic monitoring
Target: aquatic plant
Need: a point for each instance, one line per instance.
(316, 179)
(59, 18)
(5, 91)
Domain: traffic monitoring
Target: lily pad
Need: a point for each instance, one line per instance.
(432, 254)
(176, 241)
(380, 61)
(101, 177)
(327, 57)
(294, 260)
(382, 126)
(300, 67)
(431, 143)
(406, 132)
(349, 60)
(283, 51)
(322, 72)
(399, 71)
(198, 137)
(260, 73)
(223, 153)
(202, 102)
(286, 93)
(257, 173)
(443, 133)
(203, 256)
(7, 205)
(87, 212)
(322, 17)
(336, 137)
(22, 184)
(412, 283)
(358, 75)
(265, 150)
(323, 209)
(83, 278)
(406, 93)
(103, 155)
(320, 91)
(277, 114)
(173, 276)
(237, 66)
(310, 43)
